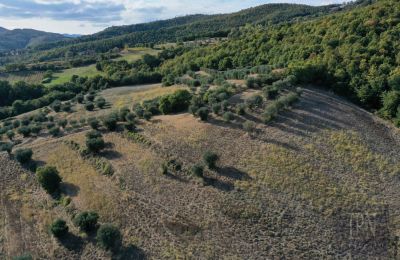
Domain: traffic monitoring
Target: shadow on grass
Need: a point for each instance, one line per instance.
(218, 184)
(233, 173)
(130, 252)
(72, 242)
(70, 189)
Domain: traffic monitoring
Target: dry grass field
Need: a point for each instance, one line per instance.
(320, 182)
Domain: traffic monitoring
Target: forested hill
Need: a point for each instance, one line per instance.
(22, 38)
(356, 53)
(187, 27)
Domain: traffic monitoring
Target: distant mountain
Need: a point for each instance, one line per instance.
(72, 35)
(23, 38)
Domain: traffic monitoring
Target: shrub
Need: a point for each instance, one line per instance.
(249, 126)
(50, 125)
(130, 117)
(49, 178)
(241, 109)
(25, 131)
(59, 228)
(94, 142)
(86, 221)
(55, 131)
(198, 170)
(130, 126)
(56, 106)
(62, 123)
(270, 92)
(271, 111)
(147, 115)
(6, 147)
(122, 113)
(176, 102)
(79, 98)
(35, 129)
(66, 107)
(255, 101)
(203, 113)
(90, 97)
(100, 102)
(216, 108)
(110, 122)
(25, 121)
(16, 123)
(23, 155)
(109, 237)
(210, 159)
(224, 105)
(94, 123)
(89, 106)
(228, 116)
(10, 134)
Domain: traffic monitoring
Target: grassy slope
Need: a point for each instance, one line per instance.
(325, 173)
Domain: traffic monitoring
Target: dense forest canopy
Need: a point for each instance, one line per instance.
(356, 53)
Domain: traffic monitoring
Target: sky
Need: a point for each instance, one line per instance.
(90, 16)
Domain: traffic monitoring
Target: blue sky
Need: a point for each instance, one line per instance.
(89, 16)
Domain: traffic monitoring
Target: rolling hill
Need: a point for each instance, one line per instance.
(23, 38)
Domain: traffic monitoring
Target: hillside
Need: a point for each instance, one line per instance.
(178, 29)
(23, 38)
(320, 181)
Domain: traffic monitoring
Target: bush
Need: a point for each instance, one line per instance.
(255, 101)
(203, 113)
(100, 102)
(35, 129)
(56, 106)
(270, 92)
(241, 109)
(90, 97)
(130, 117)
(130, 126)
(122, 113)
(210, 159)
(86, 221)
(216, 108)
(49, 178)
(66, 107)
(94, 142)
(198, 170)
(50, 125)
(110, 122)
(249, 126)
(23, 155)
(147, 115)
(23, 257)
(271, 111)
(176, 102)
(16, 123)
(55, 131)
(62, 123)
(79, 98)
(89, 106)
(109, 237)
(25, 131)
(59, 228)
(10, 134)
(6, 147)
(94, 123)
(228, 116)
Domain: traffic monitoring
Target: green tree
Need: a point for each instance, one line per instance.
(59, 228)
(86, 221)
(109, 237)
(49, 178)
